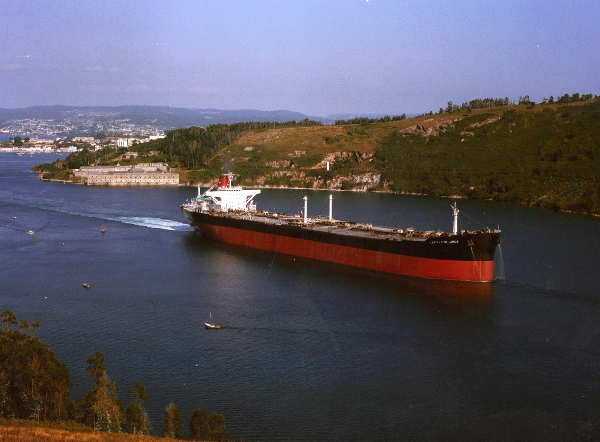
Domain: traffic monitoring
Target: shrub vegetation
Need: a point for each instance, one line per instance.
(34, 386)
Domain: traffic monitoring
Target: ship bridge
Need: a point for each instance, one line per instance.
(227, 197)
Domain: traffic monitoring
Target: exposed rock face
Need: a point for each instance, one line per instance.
(483, 123)
(429, 127)
(363, 182)
(355, 183)
(278, 164)
(298, 153)
(466, 133)
(360, 158)
(297, 175)
(317, 177)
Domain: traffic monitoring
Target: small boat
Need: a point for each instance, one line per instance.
(30, 232)
(211, 325)
(86, 285)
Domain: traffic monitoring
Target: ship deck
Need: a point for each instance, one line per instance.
(346, 228)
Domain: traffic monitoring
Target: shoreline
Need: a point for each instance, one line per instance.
(595, 215)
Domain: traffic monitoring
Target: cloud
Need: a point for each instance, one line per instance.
(94, 68)
(142, 88)
(11, 67)
(199, 90)
(98, 68)
(139, 88)
(106, 88)
(204, 90)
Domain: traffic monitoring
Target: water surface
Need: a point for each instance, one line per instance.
(311, 351)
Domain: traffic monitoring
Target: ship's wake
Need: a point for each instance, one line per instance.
(141, 221)
(153, 223)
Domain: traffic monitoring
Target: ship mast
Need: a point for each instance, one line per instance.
(305, 209)
(455, 218)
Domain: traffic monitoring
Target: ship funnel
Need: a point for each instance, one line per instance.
(455, 219)
(330, 207)
(223, 182)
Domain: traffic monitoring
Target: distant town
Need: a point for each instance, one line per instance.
(68, 123)
(31, 145)
(66, 130)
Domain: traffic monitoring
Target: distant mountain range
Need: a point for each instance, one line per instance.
(169, 117)
(162, 116)
(63, 121)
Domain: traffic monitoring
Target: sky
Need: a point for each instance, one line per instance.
(318, 57)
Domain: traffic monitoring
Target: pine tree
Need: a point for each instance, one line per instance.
(136, 420)
(172, 428)
(105, 404)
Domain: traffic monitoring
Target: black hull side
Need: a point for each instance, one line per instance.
(477, 246)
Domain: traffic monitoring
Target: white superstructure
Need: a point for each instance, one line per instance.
(226, 197)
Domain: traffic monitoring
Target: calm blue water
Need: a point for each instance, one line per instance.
(310, 351)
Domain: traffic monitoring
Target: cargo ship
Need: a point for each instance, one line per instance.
(228, 214)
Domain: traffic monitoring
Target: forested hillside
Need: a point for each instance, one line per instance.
(549, 157)
(546, 154)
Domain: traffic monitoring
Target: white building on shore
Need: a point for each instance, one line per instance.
(143, 174)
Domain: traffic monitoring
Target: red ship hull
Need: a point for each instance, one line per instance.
(476, 270)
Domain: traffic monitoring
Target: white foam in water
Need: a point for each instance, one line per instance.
(154, 223)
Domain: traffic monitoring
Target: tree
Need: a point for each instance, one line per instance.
(216, 428)
(524, 100)
(199, 425)
(17, 141)
(205, 427)
(96, 368)
(34, 384)
(136, 416)
(172, 428)
(105, 412)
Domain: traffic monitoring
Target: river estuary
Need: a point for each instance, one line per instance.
(311, 351)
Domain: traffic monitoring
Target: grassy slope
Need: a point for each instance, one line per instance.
(30, 431)
(547, 155)
(326, 139)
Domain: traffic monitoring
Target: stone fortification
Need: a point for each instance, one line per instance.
(143, 174)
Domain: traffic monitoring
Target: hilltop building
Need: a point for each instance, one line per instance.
(84, 139)
(130, 141)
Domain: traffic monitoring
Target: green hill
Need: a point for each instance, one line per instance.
(546, 155)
